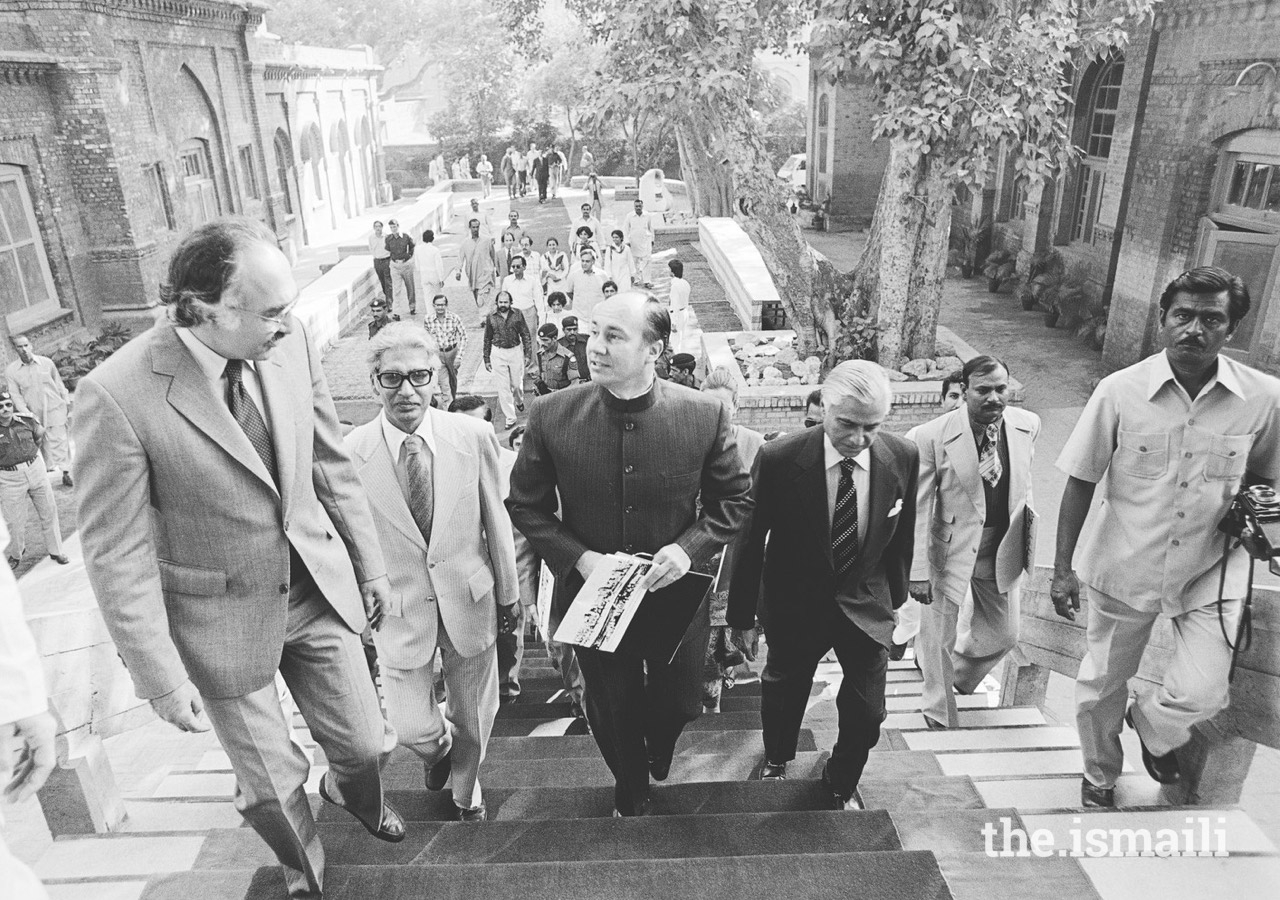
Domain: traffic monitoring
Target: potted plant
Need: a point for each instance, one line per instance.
(1073, 297)
(1044, 274)
(965, 238)
(1000, 268)
(1093, 330)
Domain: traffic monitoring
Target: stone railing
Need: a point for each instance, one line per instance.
(739, 268)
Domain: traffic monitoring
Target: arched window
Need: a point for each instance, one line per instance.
(26, 285)
(1096, 124)
(284, 167)
(313, 152)
(197, 182)
(823, 132)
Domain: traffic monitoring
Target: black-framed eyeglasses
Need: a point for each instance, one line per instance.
(812, 423)
(418, 378)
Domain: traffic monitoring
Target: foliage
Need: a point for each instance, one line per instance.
(390, 27)
(959, 79)
(1000, 268)
(1093, 326)
(479, 82)
(564, 84)
(80, 357)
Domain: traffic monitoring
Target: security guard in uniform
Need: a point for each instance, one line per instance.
(20, 477)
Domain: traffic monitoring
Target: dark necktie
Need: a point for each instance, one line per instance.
(844, 525)
(417, 468)
(989, 456)
(247, 415)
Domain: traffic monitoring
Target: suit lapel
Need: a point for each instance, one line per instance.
(192, 395)
(378, 474)
(885, 489)
(962, 450)
(811, 485)
(450, 460)
(274, 377)
(1019, 436)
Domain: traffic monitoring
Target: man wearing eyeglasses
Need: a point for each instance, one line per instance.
(227, 537)
(434, 485)
(526, 292)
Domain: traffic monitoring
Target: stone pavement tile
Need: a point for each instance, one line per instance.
(97, 890)
(118, 857)
(146, 815)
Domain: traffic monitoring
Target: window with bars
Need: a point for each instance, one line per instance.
(1095, 129)
(26, 285)
(249, 172)
(1255, 185)
(197, 182)
(1102, 117)
(158, 209)
(284, 168)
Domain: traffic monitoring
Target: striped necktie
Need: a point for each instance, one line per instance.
(989, 457)
(249, 418)
(418, 471)
(844, 524)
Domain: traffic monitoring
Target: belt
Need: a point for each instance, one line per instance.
(15, 467)
(514, 346)
(450, 347)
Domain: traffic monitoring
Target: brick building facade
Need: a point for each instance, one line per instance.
(844, 163)
(123, 123)
(1179, 166)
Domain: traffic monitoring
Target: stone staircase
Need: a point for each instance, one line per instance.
(935, 802)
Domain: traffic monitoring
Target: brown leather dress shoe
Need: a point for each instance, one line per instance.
(390, 827)
(1093, 796)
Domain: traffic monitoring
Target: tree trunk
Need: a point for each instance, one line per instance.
(899, 277)
(734, 178)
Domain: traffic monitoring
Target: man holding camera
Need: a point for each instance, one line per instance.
(1177, 435)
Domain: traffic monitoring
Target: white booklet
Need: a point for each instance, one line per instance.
(602, 610)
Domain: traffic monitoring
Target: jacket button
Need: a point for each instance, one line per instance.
(284, 588)
(628, 469)
(630, 509)
(630, 426)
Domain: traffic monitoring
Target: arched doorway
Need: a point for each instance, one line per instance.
(340, 146)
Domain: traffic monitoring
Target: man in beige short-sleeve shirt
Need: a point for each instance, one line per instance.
(1176, 435)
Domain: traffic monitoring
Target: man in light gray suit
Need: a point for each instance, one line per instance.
(973, 521)
(226, 537)
(433, 482)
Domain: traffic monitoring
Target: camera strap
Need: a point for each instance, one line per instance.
(1244, 629)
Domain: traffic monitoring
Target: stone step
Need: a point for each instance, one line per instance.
(1005, 763)
(555, 840)
(667, 799)
(1062, 791)
(905, 875)
(993, 738)
(971, 718)
(911, 703)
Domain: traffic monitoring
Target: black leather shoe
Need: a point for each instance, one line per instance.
(773, 771)
(479, 814)
(390, 827)
(934, 724)
(66, 479)
(438, 775)
(897, 651)
(1093, 796)
(508, 699)
(660, 767)
(1163, 769)
(60, 560)
(839, 799)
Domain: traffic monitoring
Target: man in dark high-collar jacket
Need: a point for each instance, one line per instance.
(837, 504)
(627, 458)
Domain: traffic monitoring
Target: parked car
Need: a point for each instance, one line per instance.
(793, 171)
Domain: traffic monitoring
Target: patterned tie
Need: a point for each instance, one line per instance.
(844, 525)
(247, 415)
(417, 467)
(989, 457)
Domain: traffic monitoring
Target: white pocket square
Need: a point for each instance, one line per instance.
(897, 508)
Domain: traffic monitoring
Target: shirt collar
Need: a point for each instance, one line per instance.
(1162, 374)
(832, 456)
(211, 362)
(635, 404)
(395, 437)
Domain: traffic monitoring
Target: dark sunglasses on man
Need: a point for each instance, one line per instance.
(418, 378)
(812, 423)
